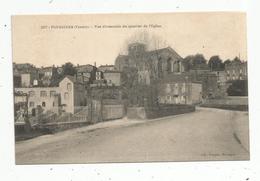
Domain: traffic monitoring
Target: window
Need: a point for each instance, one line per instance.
(177, 101)
(183, 88)
(53, 104)
(31, 104)
(43, 94)
(183, 99)
(69, 87)
(176, 91)
(168, 98)
(43, 104)
(31, 93)
(52, 93)
(66, 95)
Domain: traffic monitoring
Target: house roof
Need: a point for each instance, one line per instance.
(85, 68)
(71, 78)
(158, 51)
(122, 58)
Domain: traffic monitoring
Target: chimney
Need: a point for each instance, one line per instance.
(95, 65)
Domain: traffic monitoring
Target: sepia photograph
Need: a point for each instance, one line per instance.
(140, 87)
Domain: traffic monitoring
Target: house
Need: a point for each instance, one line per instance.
(47, 74)
(87, 73)
(112, 77)
(209, 80)
(73, 94)
(25, 75)
(45, 97)
(179, 89)
(222, 83)
(236, 71)
(104, 68)
(70, 95)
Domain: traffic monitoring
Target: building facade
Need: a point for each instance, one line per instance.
(104, 68)
(86, 73)
(112, 77)
(69, 96)
(236, 71)
(150, 65)
(179, 89)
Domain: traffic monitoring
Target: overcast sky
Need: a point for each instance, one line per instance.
(34, 41)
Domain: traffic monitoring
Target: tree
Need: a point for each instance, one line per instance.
(215, 63)
(238, 88)
(68, 69)
(227, 62)
(199, 60)
(237, 60)
(194, 61)
(187, 62)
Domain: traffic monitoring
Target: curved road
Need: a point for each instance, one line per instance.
(206, 134)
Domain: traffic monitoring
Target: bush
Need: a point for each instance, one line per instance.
(238, 88)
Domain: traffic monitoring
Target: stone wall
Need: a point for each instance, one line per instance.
(157, 112)
(110, 112)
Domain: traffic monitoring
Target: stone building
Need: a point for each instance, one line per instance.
(236, 71)
(87, 73)
(70, 96)
(112, 77)
(179, 89)
(150, 65)
(47, 74)
(25, 75)
(73, 94)
(209, 80)
(104, 68)
(45, 97)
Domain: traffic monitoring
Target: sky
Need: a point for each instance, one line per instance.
(46, 40)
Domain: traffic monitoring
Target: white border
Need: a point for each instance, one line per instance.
(213, 171)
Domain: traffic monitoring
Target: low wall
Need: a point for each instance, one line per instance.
(160, 111)
(230, 103)
(136, 113)
(156, 112)
(229, 100)
(113, 112)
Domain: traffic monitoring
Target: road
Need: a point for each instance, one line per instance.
(206, 134)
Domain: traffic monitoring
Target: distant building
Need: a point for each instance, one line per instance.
(25, 75)
(87, 73)
(99, 75)
(209, 80)
(236, 71)
(112, 77)
(179, 89)
(221, 83)
(104, 68)
(47, 74)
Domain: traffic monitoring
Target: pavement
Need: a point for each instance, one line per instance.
(206, 134)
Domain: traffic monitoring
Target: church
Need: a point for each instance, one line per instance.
(151, 65)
